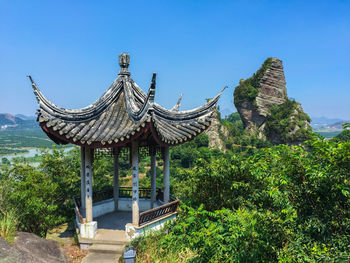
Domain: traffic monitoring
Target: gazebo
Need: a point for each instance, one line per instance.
(124, 117)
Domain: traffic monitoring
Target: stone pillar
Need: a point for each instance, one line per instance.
(135, 182)
(153, 175)
(82, 178)
(88, 184)
(116, 177)
(166, 174)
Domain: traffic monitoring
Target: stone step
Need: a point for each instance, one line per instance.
(106, 248)
(102, 241)
(93, 257)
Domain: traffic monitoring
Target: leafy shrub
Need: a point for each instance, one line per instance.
(202, 140)
(282, 204)
(345, 134)
(36, 200)
(286, 123)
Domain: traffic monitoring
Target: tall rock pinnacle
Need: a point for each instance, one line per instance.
(257, 96)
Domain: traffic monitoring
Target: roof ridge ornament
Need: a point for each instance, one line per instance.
(177, 105)
(36, 90)
(124, 62)
(152, 89)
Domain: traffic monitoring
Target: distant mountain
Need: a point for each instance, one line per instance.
(327, 127)
(324, 120)
(337, 125)
(24, 117)
(19, 121)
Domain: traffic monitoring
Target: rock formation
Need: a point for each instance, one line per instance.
(255, 97)
(29, 248)
(214, 132)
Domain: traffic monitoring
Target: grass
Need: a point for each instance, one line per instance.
(8, 226)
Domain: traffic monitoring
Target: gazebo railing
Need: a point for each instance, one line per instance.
(158, 212)
(144, 192)
(77, 211)
(124, 192)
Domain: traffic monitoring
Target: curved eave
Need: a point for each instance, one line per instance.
(123, 114)
(189, 114)
(125, 141)
(151, 132)
(96, 108)
(178, 132)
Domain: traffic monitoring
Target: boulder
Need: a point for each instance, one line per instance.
(38, 250)
(9, 254)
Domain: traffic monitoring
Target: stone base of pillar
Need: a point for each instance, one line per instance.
(88, 230)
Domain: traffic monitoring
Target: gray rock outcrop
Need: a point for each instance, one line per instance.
(271, 90)
(214, 131)
(9, 254)
(29, 248)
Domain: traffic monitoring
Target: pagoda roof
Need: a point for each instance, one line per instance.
(122, 114)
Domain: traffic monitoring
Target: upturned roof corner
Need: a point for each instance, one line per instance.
(122, 114)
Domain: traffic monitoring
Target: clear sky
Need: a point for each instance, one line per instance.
(71, 49)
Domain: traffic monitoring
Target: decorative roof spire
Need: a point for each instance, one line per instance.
(124, 61)
(152, 89)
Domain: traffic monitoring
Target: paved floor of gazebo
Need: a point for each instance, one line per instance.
(115, 220)
(111, 226)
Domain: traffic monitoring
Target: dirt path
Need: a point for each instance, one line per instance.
(65, 236)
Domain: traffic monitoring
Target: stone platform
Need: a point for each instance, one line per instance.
(109, 243)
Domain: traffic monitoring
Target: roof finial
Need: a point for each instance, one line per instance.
(152, 89)
(124, 61)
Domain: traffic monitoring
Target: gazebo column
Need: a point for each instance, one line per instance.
(116, 177)
(135, 182)
(166, 174)
(88, 229)
(82, 178)
(153, 175)
(88, 184)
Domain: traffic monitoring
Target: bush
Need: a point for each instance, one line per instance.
(41, 198)
(345, 134)
(282, 204)
(287, 124)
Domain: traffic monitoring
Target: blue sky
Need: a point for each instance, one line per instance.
(196, 47)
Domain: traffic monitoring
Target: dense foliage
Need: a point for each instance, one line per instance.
(283, 204)
(41, 198)
(277, 204)
(287, 123)
(247, 90)
(345, 134)
(187, 154)
(238, 140)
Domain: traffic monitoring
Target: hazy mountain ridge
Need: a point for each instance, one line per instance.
(327, 124)
(325, 120)
(18, 121)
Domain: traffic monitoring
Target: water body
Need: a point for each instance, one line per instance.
(31, 153)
